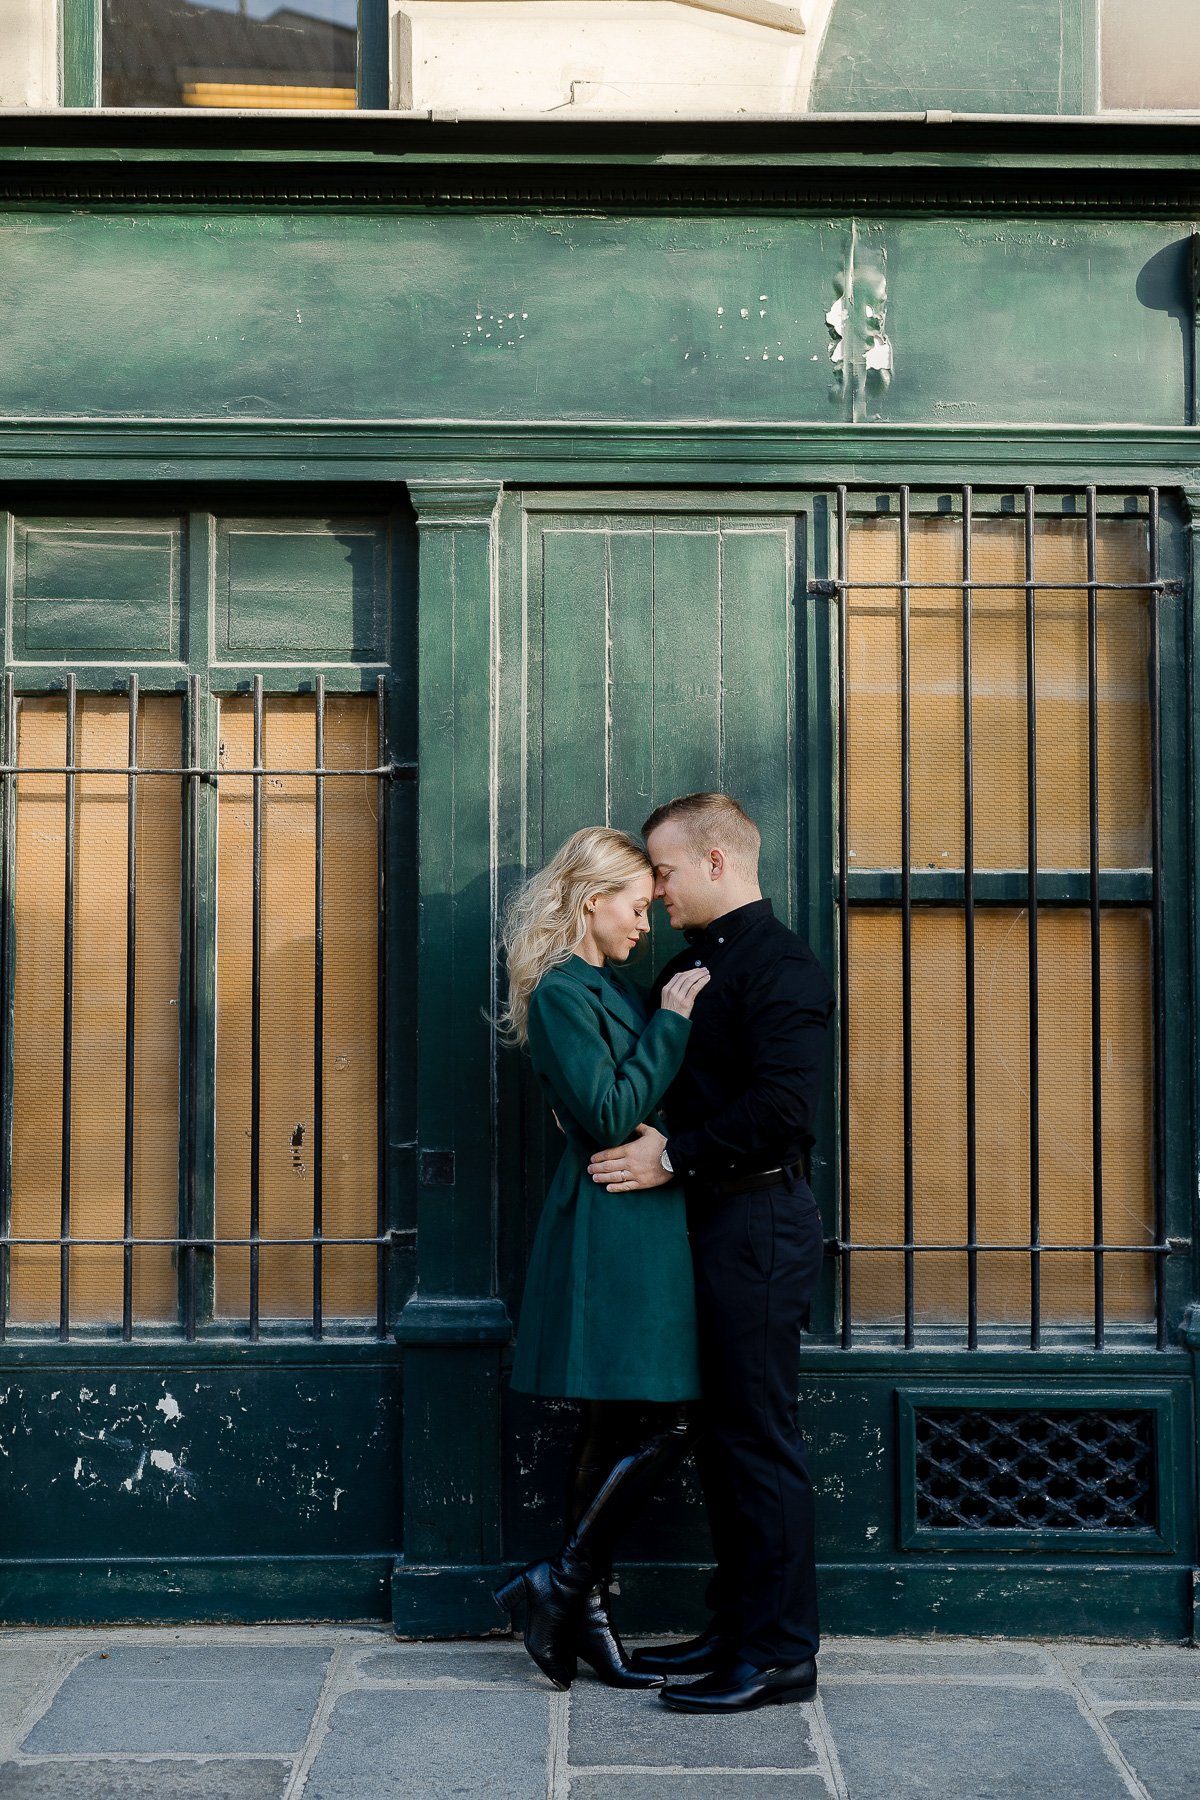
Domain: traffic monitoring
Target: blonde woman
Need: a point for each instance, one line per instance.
(609, 1316)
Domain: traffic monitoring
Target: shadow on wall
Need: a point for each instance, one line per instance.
(1168, 284)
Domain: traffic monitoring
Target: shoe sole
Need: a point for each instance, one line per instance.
(787, 1697)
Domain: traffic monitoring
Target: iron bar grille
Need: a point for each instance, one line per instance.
(1035, 1471)
(1000, 912)
(129, 1009)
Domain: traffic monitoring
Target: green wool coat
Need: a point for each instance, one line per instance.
(609, 1311)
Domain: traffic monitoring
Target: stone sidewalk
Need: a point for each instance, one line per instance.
(273, 1713)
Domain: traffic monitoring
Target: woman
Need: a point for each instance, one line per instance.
(609, 1312)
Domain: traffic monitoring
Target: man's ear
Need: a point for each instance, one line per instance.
(716, 864)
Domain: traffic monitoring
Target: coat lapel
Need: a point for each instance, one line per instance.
(615, 999)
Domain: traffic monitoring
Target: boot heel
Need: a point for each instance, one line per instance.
(510, 1596)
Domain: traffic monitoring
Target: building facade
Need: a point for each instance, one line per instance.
(390, 486)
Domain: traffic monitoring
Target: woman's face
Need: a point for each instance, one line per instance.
(619, 919)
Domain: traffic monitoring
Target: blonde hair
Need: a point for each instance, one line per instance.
(544, 919)
(712, 821)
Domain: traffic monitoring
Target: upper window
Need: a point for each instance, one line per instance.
(1150, 55)
(229, 53)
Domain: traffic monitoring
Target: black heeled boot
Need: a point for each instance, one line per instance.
(597, 1642)
(555, 1593)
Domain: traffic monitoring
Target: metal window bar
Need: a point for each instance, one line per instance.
(846, 1245)
(193, 774)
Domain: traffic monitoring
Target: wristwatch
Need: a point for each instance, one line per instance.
(666, 1163)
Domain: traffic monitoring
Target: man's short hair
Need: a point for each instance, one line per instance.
(712, 821)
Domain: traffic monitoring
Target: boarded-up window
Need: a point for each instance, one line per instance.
(291, 1135)
(1000, 716)
(94, 1124)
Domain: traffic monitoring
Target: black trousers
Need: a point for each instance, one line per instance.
(757, 1258)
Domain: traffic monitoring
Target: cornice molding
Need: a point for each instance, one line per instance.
(1153, 192)
(459, 465)
(442, 505)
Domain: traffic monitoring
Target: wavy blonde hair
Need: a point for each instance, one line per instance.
(544, 919)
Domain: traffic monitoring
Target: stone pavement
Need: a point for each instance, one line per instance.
(339, 1713)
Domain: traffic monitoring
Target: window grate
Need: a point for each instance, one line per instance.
(60, 785)
(909, 886)
(1035, 1471)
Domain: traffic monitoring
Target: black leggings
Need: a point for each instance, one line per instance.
(610, 1432)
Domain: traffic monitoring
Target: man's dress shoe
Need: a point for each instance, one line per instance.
(741, 1686)
(698, 1656)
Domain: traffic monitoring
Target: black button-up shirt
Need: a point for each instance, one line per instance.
(745, 1097)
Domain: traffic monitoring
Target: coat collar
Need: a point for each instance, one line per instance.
(613, 996)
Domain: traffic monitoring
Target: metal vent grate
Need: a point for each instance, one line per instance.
(1035, 1471)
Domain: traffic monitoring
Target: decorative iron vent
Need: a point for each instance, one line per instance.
(1035, 1471)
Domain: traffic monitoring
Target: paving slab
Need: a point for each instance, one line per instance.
(983, 1664)
(184, 1698)
(412, 1743)
(695, 1785)
(609, 1725)
(1145, 1675)
(1014, 1742)
(223, 1778)
(25, 1670)
(491, 1668)
(1163, 1745)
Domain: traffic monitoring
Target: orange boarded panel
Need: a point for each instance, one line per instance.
(98, 1011)
(998, 691)
(287, 1023)
(1002, 1110)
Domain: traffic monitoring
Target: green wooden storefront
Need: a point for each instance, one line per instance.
(531, 434)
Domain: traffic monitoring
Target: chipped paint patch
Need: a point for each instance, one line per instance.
(168, 1406)
(163, 1459)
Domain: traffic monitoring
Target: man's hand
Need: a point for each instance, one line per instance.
(631, 1167)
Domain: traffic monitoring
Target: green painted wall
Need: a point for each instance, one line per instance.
(368, 316)
(1019, 56)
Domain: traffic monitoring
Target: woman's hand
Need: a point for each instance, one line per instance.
(679, 995)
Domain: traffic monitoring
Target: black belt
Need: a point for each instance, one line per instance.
(747, 1184)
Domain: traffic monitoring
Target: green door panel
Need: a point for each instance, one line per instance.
(665, 663)
(293, 589)
(493, 317)
(90, 588)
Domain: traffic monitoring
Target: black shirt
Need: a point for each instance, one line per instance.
(745, 1097)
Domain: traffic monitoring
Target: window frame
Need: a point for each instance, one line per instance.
(822, 703)
(201, 672)
(81, 57)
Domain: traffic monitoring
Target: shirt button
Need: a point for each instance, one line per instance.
(698, 963)
(720, 940)
(691, 1171)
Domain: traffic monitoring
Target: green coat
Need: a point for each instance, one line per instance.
(609, 1310)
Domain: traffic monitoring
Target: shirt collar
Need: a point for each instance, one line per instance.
(730, 925)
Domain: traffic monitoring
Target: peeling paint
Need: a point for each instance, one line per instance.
(163, 1459)
(168, 1406)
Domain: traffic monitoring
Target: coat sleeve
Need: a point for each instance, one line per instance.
(607, 1099)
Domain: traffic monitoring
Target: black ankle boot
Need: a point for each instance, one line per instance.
(554, 1592)
(597, 1643)
(552, 1613)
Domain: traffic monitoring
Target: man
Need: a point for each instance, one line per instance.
(740, 1119)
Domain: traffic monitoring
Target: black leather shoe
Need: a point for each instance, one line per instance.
(698, 1656)
(598, 1645)
(742, 1686)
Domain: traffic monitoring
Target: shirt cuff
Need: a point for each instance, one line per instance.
(686, 1151)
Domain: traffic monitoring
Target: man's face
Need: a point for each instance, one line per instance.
(683, 883)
